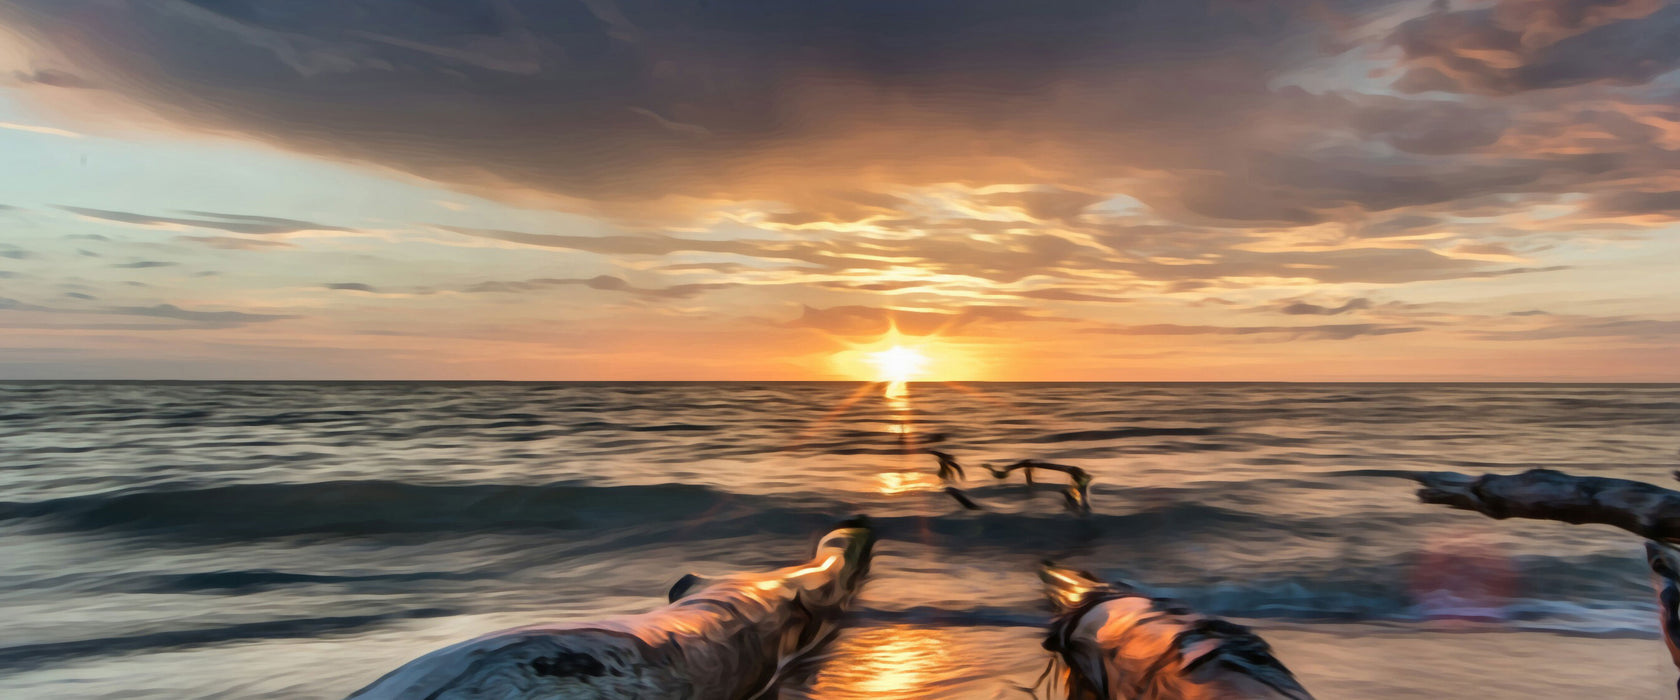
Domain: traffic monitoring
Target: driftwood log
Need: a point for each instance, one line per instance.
(1647, 510)
(1643, 509)
(949, 469)
(1077, 494)
(1119, 644)
(1665, 568)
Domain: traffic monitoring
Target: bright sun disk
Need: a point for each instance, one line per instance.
(898, 363)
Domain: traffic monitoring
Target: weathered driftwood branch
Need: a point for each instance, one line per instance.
(961, 498)
(1665, 566)
(1121, 645)
(1643, 509)
(948, 466)
(1077, 494)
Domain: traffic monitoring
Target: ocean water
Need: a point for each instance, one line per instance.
(297, 540)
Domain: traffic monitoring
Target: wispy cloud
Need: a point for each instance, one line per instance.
(35, 129)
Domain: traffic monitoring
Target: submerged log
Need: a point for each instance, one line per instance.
(1643, 509)
(1118, 644)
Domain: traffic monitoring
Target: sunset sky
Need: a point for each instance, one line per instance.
(763, 189)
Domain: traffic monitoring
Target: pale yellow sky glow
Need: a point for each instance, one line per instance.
(1143, 191)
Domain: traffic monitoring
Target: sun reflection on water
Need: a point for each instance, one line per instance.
(898, 661)
(895, 483)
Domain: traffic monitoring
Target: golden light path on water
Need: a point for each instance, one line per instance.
(897, 661)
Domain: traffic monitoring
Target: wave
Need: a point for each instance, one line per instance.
(28, 656)
(365, 507)
(679, 511)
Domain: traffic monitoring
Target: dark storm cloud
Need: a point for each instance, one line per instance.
(629, 99)
(232, 223)
(1520, 45)
(864, 321)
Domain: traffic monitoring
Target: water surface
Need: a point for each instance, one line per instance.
(297, 540)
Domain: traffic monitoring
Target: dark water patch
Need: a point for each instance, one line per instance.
(31, 656)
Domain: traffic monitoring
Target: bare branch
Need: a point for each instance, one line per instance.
(1643, 509)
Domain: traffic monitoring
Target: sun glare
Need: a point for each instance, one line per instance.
(898, 363)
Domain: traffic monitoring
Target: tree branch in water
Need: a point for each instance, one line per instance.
(1643, 509)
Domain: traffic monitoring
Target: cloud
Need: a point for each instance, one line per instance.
(869, 321)
(231, 243)
(1522, 45)
(220, 319)
(144, 264)
(1301, 308)
(1562, 327)
(232, 223)
(7, 304)
(636, 100)
(51, 78)
(601, 282)
(351, 287)
(1340, 331)
(1045, 205)
(37, 129)
(1634, 203)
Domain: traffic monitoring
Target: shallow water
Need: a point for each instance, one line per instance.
(238, 540)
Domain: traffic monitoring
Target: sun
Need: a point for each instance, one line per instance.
(898, 363)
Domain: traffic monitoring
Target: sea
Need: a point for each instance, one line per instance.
(298, 540)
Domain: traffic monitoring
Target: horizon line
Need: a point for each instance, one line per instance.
(1489, 382)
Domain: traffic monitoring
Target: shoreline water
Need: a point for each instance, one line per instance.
(201, 540)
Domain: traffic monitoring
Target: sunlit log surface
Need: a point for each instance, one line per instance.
(1118, 644)
(719, 639)
(1643, 509)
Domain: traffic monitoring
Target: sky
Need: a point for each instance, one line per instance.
(1059, 190)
